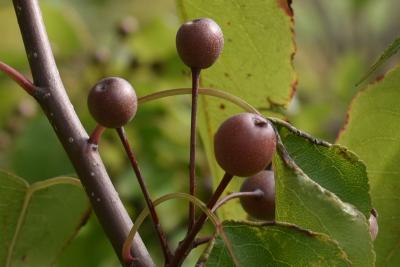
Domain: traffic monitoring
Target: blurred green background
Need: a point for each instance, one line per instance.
(336, 43)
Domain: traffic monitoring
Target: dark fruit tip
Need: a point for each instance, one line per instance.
(260, 123)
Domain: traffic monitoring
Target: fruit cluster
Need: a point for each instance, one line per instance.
(244, 144)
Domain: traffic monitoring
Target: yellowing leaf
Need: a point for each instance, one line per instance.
(256, 63)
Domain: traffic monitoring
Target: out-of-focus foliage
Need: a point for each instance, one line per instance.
(372, 132)
(386, 55)
(336, 42)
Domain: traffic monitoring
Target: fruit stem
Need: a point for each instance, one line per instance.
(96, 135)
(255, 193)
(202, 91)
(185, 246)
(193, 126)
(143, 187)
(20, 79)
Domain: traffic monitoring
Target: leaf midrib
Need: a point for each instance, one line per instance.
(30, 190)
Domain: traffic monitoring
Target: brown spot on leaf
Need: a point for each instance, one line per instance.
(346, 122)
(286, 6)
(293, 88)
(228, 23)
(249, 75)
(222, 106)
(226, 75)
(380, 77)
(229, 40)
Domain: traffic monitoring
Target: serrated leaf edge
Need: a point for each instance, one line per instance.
(320, 236)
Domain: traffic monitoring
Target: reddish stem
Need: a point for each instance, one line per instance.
(20, 79)
(184, 248)
(143, 187)
(94, 138)
(193, 126)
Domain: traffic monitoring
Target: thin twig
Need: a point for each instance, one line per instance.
(178, 195)
(201, 241)
(87, 162)
(255, 193)
(193, 126)
(132, 159)
(184, 248)
(202, 91)
(19, 78)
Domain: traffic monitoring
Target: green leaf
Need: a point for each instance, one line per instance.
(37, 154)
(67, 33)
(37, 221)
(256, 64)
(147, 41)
(11, 46)
(372, 131)
(331, 166)
(101, 252)
(387, 54)
(275, 244)
(301, 201)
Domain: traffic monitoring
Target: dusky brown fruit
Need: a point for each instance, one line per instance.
(199, 42)
(244, 144)
(260, 207)
(112, 102)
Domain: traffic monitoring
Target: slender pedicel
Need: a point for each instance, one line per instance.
(185, 246)
(193, 126)
(19, 78)
(256, 193)
(95, 136)
(146, 194)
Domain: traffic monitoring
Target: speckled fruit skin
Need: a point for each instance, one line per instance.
(244, 144)
(199, 42)
(112, 102)
(262, 208)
